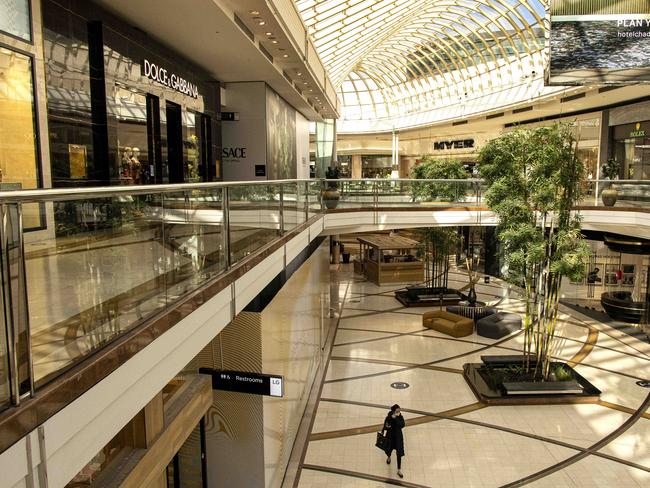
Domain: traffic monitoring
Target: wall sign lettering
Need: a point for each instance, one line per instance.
(171, 80)
(242, 382)
(460, 144)
(234, 152)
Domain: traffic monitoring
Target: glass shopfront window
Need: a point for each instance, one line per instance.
(15, 18)
(193, 147)
(632, 150)
(69, 114)
(376, 166)
(132, 137)
(18, 150)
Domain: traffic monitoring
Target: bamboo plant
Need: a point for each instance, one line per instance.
(533, 178)
(438, 243)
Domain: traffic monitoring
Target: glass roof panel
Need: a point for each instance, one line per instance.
(390, 58)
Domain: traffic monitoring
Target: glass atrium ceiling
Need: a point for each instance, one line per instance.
(392, 59)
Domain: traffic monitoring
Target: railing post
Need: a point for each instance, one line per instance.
(15, 313)
(375, 201)
(306, 190)
(225, 222)
(281, 209)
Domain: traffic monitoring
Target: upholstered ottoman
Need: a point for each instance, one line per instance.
(448, 323)
(498, 325)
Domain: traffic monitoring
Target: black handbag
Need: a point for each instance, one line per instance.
(382, 441)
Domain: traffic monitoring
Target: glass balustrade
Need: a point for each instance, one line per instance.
(617, 193)
(254, 218)
(108, 259)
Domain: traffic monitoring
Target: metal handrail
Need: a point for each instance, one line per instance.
(53, 194)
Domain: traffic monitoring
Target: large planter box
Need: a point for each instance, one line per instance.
(428, 297)
(490, 391)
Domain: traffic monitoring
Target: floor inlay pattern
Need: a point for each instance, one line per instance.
(451, 440)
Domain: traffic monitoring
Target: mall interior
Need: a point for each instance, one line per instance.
(241, 238)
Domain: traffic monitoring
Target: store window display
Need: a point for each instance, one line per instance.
(632, 150)
(132, 137)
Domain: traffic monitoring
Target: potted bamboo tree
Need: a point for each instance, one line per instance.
(610, 170)
(533, 179)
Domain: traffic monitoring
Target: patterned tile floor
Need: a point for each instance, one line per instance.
(451, 440)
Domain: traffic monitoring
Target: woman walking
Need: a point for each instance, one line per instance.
(393, 426)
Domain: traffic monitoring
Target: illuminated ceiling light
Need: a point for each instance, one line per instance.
(254, 12)
(285, 55)
(274, 42)
(299, 73)
(269, 33)
(261, 22)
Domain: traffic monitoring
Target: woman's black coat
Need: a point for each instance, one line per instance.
(393, 428)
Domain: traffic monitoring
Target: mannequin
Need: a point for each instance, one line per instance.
(136, 166)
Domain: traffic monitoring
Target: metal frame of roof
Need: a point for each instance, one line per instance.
(390, 58)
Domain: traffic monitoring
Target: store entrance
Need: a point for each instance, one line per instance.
(188, 468)
(174, 143)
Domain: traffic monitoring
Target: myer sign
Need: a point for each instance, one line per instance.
(171, 80)
(458, 144)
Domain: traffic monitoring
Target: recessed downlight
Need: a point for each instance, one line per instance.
(261, 22)
(285, 55)
(269, 33)
(274, 42)
(254, 12)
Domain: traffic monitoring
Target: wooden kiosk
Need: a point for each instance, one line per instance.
(389, 259)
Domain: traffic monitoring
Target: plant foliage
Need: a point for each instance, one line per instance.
(438, 169)
(611, 169)
(533, 178)
(438, 243)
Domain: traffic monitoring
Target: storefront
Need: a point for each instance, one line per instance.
(631, 149)
(586, 130)
(376, 166)
(20, 167)
(122, 109)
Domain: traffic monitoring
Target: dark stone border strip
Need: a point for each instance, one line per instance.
(591, 450)
(430, 363)
(369, 429)
(508, 430)
(391, 336)
(364, 476)
(313, 413)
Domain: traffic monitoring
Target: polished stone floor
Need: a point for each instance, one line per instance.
(452, 440)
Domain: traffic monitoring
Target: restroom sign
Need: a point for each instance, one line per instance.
(242, 382)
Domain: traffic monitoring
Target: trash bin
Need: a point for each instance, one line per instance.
(346, 257)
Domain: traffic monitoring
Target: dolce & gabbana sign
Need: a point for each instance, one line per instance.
(172, 80)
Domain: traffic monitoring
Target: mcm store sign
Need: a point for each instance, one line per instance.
(172, 80)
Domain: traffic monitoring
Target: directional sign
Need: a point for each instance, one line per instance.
(242, 382)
